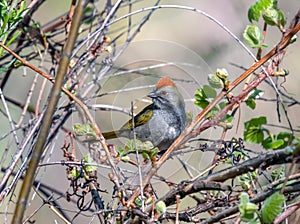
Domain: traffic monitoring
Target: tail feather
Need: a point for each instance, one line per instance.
(110, 135)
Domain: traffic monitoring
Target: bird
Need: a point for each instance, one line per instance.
(161, 122)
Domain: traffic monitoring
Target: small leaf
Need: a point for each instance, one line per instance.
(219, 79)
(75, 173)
(125, 159)
(281, 17)
(246, 179)
(272, 207)
(84, 129)
(161, 207)
(256, 94)
(244, 199)
(247, 208)
(279, 141)
(253, 36)
(6, 67)
(88, 159)
(209, 92)
(257, 121)
(257, 8)
(215, 81)
(275, 144)
(146, 148)
(251, 103)
(253, 132)
(271, 16)
(286, 137)
(138, 202)
(148, 201)
(78, 129)
(293, 39)
(204, 95)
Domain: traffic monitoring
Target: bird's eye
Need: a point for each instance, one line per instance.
(163, 93)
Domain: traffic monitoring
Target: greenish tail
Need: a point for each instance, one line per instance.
(110, 135)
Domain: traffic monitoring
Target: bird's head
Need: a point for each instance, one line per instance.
(166, 94)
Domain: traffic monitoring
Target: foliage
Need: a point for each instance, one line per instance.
(270, 210)
(266, 9)
(206, 94)
(145, 148)
(254, 37)
(255, 133)
(9, 18)
(254, 95)
(247, 209)
(86, 129)
(272, 207)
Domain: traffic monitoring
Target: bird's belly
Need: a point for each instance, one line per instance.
(160, 133)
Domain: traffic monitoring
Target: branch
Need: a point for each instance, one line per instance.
(210, 182)
(188, 187)
(259, 198)
(46, 124)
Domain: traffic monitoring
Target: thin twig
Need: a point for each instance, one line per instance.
(9, 118)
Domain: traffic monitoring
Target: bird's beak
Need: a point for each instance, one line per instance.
(152, 94)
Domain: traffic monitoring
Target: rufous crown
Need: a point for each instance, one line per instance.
(165, 81)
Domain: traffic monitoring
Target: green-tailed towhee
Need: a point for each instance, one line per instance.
(162, 121)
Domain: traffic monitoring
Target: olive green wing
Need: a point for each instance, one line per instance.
(141, 118)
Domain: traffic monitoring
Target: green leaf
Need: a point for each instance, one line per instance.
(129, 147)
(286, 137)
(125, 159)
(257, 8)
(251, 103)
(161, 207)
(281, 17)
(254, 94)
(246, 179)
(247, 208)
(204, 96)
(146, 148)
(268, 143)
(253, 36)
(279, 141)
(257, 121)
(88, 13)
(138, 201)
(215, 81)
(271, 17)
(219, 79)
(272, 207)
(88, 159)
(253, 132)
(209, 92)
(75, 173)
(85, 130)
(201, 103)
(6, 67)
